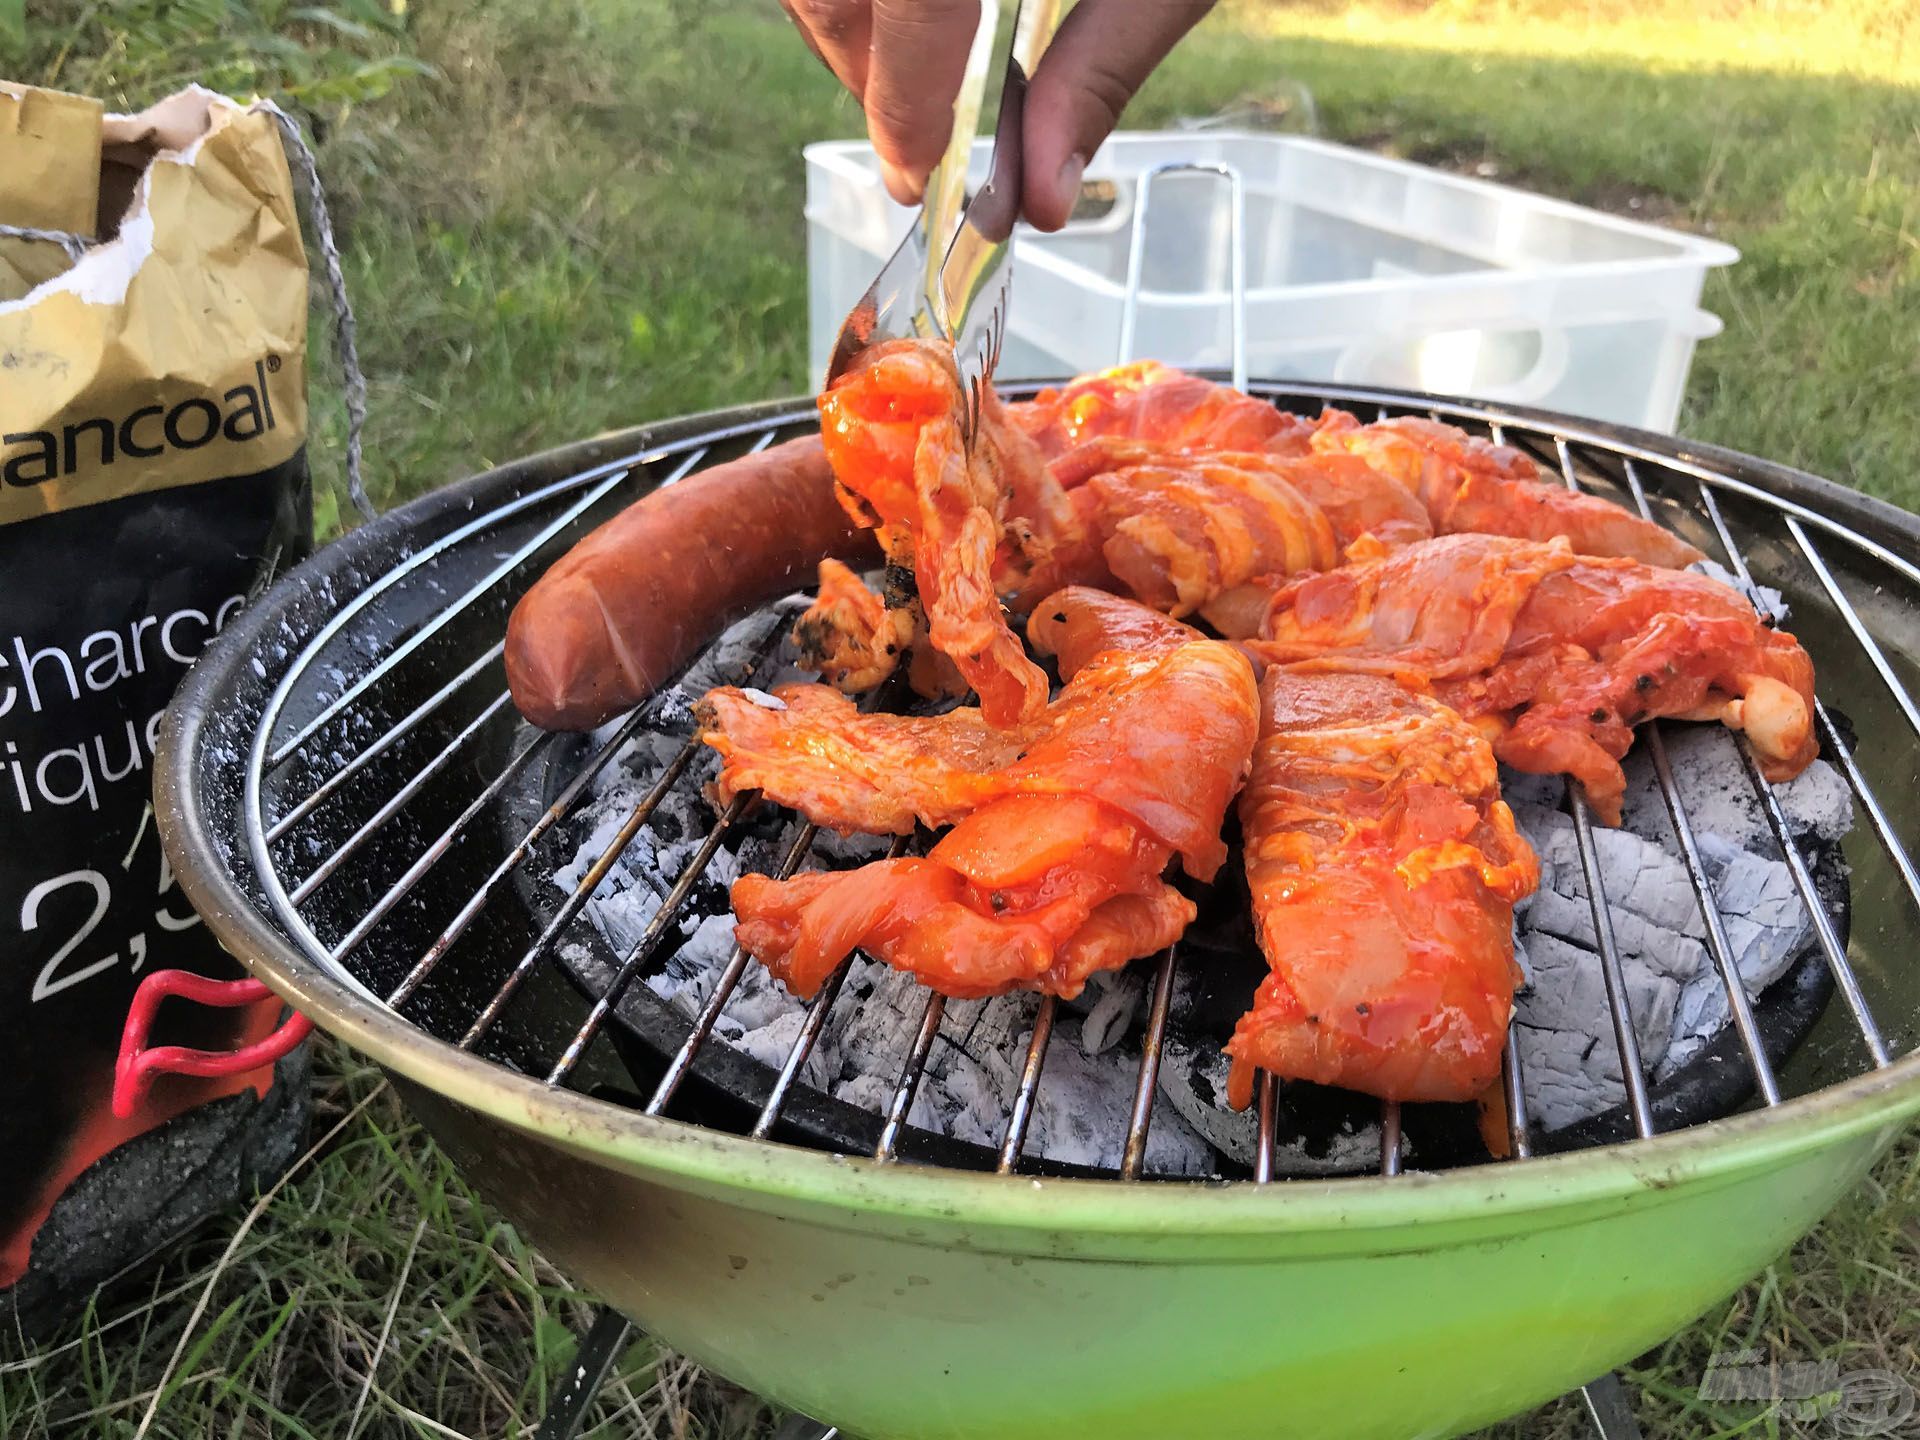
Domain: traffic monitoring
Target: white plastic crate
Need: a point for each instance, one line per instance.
(1359, 269)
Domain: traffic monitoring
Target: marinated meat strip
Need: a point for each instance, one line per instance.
(1558, 656)
(1384, 869)
(1030, 892)
(893, 433)
(1062, 831)
(1473, 485)
(1160, 736)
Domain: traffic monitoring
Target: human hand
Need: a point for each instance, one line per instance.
(903, 60)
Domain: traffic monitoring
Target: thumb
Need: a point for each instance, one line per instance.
(1102, 54)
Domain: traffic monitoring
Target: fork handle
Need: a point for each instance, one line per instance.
(946, 193)
(996, 208)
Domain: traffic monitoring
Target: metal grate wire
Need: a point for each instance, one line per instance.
(269, 825)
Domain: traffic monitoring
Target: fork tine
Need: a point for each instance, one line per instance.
(979, 357)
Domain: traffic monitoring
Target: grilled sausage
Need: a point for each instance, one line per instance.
(622, 611)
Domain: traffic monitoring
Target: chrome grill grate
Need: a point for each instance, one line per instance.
(357, 794)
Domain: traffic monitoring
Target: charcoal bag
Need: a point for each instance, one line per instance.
(153, 474)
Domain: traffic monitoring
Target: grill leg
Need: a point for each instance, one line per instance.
(580, 1384)
(1611, 1409)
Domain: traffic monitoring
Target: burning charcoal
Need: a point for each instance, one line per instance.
(971, 1075)
(673, 711)
(1719, 799)
(1564, 1024)
(1565, 1028)
(1080, 1115)
(1673, 985)
(1340, 1137)
(1767, 927)
(848, 850)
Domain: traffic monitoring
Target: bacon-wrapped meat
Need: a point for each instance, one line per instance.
(1472, 485)
(1369, 513)
(1559, 655)
(1384, 869)
(1180, 528)
(1178, 532)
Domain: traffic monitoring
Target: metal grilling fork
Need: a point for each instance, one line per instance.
(949, 279)
(977, 278)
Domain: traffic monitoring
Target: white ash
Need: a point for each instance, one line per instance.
(1564, 1027)
(1081, 1110)
(1719, 798)
(1767, 600)
(1565, 1031)
(1080, 1115)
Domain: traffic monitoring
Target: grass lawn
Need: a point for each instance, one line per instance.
(593, 218)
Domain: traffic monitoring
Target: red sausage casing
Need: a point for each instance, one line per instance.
(622, 611)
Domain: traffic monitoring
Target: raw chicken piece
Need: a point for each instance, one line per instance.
(1558, 656)
(892, 428)
(1384, 869)
(1064, 829)
(1472, 485)
(1146, 400)
(1161, 736)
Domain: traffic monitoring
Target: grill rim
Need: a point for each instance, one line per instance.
(694, 1157)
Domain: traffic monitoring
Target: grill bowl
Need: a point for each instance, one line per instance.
(897, 1300)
